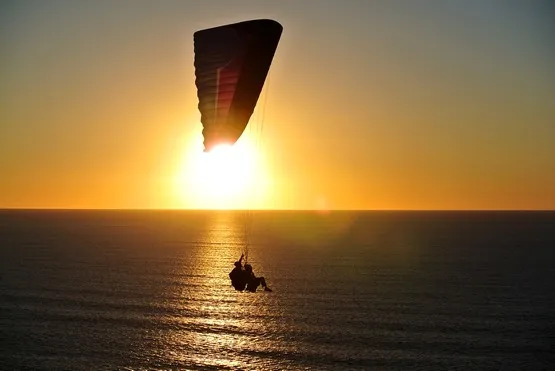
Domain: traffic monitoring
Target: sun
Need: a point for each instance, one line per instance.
(227, 177)
(222, 173)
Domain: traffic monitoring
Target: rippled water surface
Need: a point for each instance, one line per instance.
(137, 290)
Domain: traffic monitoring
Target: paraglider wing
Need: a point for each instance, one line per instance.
(231, 65)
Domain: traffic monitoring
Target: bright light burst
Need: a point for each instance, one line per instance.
(227, 177)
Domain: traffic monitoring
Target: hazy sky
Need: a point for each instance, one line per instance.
(370, 104)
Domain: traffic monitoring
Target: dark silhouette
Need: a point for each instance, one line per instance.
(238, 276)
(252, 51)
(252, 281)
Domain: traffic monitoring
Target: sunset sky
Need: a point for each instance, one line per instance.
(369, 105)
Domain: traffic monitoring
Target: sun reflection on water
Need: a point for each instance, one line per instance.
(217, 326)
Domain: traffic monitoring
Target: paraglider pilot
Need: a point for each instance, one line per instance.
(242, 278)
(238, 276)
(253, 282)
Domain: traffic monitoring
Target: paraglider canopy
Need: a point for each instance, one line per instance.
(231, 65)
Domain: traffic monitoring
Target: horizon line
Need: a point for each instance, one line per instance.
(263, 210)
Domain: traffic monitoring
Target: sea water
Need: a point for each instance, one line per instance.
(149, 290)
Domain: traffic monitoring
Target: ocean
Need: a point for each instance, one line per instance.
(149, 290)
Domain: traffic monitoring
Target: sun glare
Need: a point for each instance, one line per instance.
(227, 177)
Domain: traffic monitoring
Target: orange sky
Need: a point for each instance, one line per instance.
(375, 105)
